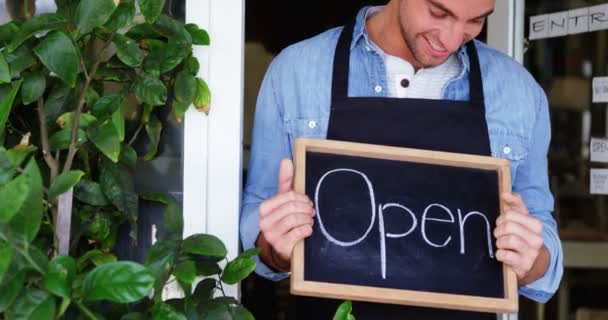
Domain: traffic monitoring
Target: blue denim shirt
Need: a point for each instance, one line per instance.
(294, 101)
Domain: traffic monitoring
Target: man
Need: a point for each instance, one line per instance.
(456, 95)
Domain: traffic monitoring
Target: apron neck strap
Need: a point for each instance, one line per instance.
(339, 89)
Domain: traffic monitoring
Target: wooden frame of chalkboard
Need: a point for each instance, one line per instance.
(508, 303)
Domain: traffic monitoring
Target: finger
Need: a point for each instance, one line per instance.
(512, 242)
(272, 203)
(528, 221)
(290, 222)
(285, 176)
(511, 228)
(515, 202)
(293, 237)
(510, 258)
(267, 222)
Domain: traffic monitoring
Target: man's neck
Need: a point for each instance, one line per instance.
(384, 30)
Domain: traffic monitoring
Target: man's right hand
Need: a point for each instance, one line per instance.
(285, 219)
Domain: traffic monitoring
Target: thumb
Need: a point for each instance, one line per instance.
(285, 176)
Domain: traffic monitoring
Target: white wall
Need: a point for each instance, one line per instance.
(213, 144)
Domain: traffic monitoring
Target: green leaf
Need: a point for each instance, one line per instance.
(205, 245)
(5, 73)
(97, 257)
(18, 154)
(204, 291)
(13, 196)
(91, 14)
(118, 119)
(10, 287)
(120, 282)
(237, 270)
(66, 119)
(7, 167)
(122, 16)
(33, 87)
(176, 52)
(207, 268)
(250, 253)
(117, 185)
(173, 221)
(199, 36)
(161, 258)
(91, 97)
(7, 104)
(153, 128)
(185, 272)
(172, 28)
(60, 275)
(99, 228)
(128, 156)
(5, 258)
(38, 23)
(128, 51)
(239, 312)
(143, 31)
(344, 311)
(163, 311)
(57, 101)
(58, 54)
(133, 316)
(90, 192)
(105, 138)
(179, 110)
(157, 196)
(150, 90)
(202, 100)
(19, 60)
(60, 140)
(26, 222)
(64, 182)
(33, 304)
(191, 65)
(151, 9)
(67, 8)
(106, 105)
(185, 87)
(8, 31)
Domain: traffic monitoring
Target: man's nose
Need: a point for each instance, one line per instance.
(452, 37)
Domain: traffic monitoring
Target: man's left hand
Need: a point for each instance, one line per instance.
(519, 239)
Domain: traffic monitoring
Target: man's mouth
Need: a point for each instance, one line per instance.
(435, 48)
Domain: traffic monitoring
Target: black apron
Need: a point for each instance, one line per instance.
(443, 125)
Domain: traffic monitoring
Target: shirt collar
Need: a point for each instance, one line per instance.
(360, 34)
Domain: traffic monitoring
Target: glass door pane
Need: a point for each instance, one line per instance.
(566, 48)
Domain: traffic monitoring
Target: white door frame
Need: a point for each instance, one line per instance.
(213, 144)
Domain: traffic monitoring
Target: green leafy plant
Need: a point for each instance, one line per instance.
(77, 88)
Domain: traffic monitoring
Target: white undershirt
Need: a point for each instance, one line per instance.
(428, 83)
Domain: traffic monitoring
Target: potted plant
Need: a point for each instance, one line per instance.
(77, 88)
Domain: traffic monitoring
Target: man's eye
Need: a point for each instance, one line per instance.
(438, 15)
(478, 21)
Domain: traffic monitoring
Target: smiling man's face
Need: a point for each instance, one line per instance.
(434, 29)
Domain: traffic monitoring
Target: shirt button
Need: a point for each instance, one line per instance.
(506, 150)
(312, 124)
(378, 89)
(405, 83)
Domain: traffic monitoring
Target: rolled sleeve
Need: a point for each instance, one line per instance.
(532, 182)
(270, 144)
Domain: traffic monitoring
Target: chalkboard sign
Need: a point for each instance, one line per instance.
(402, 226)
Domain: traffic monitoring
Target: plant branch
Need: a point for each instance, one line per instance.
(85, 310)
(51, 162)
(81, 100)
(141, 125)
